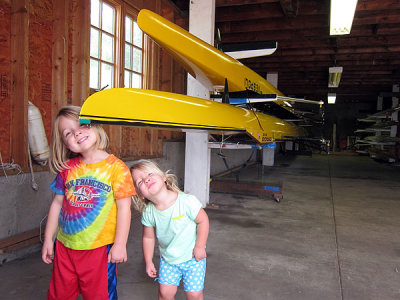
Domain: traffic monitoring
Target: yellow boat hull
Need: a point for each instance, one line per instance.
(204, 62)
(139, 107)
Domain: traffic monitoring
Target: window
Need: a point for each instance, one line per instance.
(105, 52)
(133, 54)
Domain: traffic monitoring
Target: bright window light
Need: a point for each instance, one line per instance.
(342, 14)
(331, 98)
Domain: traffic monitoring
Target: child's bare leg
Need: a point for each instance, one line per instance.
(194, 295)
(167, 292)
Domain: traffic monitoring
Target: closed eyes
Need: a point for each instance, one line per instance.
(140, 181)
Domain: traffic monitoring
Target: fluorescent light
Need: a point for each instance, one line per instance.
(331, 98)
(342, 14)
(335, 74)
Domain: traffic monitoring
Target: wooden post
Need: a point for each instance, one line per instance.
(19, 81)
(60, 56)
(80, 50)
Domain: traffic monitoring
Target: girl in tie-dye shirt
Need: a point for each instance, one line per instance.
(91, 209)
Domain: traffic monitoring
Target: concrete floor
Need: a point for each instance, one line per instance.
(335, 235)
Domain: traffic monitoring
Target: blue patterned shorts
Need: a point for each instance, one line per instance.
(192, 272)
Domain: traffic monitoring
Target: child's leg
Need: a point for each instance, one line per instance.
(169, 278)
(194, 295)
(167, 292)
(64, 280)
(194, 273)
(92, 269)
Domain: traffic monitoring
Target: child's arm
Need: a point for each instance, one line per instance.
(148, 242)
(203, 226)
(118, 252)
(51, 227)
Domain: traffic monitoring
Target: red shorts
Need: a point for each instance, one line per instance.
(85, 272)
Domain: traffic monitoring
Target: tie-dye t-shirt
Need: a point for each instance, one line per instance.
(88, 216)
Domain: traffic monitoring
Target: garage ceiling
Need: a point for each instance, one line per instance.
(370, 55)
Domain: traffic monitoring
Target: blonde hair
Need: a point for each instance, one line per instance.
(148, 166)
(59, 153)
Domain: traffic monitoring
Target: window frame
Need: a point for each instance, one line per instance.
(133, 17)
(121, 11)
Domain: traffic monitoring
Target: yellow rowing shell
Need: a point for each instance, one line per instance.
(139, 107)
(204, 62)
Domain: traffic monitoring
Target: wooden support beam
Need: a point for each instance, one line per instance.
(115, 138)
(60, 56)
(19, 81)
(80, 50)
(223, 3)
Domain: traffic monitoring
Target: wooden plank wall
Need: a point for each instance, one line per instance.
(5, 79)
(40, 59)
(59, 56)
(44, 58)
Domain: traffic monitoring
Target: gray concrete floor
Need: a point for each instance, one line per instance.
(335, 235)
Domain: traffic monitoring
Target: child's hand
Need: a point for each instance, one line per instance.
(117, 254)
(199, 253)
(47, 251)
(151, 270)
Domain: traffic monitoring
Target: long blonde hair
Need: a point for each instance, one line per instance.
(140, 203)
(59, 153)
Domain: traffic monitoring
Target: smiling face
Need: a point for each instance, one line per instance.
(78, 138)
(148, 184)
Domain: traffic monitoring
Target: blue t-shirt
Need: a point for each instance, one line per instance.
(175, 227)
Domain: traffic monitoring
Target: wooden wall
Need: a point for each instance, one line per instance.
(44, 58)
(5, 72)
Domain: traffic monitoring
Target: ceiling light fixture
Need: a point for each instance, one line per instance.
(335, 74)
(342, 14)
(331, 98)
